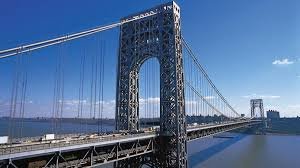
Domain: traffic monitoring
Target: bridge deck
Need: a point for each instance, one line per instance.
(31, 149)
(17, 151)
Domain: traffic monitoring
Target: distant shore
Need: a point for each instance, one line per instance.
(282, 133)
(90, 121)
(284, 126)
(281, 126)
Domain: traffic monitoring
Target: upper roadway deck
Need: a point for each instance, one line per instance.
(72, 143)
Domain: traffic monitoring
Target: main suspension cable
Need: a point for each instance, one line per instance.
(191, 53)
(42, 44)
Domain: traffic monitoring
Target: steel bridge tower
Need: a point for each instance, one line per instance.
(257, 103)
(158, 35)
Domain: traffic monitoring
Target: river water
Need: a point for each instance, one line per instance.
(235, 151)
(246, 151)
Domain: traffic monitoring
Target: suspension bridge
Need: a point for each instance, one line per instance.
(164, 98)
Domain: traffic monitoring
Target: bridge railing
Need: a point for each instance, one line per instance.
(113, 138)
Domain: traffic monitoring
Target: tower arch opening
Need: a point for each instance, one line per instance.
(149, 93)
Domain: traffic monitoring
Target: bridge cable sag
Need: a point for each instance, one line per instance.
(194, 58)
(42, 44)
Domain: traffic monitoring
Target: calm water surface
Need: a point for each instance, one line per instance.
(246, 151)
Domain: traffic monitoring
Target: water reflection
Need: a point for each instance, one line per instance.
(246, 151)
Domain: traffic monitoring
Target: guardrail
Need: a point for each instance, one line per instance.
(58, 143)
(10, 149)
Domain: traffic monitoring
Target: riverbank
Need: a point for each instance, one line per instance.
(284, 126)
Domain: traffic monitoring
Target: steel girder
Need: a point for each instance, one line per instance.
(159, 36)
(201, 133)
(94, 156)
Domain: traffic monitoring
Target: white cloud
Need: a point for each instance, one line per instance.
(284, 61)
(73, 102)
(148, 106)
(8, 104)
(209, 97)
(269, 97)
(151, 100)
(71, 108)
(190, 102)
(294, 106)
(253, 96)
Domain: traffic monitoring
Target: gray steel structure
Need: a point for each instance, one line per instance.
(126, 149)
(257, 103)
(152, 33)
(156, 36)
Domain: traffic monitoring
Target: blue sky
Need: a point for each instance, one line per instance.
(250, 49)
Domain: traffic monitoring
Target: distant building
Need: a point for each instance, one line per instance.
(273, 114)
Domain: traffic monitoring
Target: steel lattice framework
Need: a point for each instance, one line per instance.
(156, 36)
(154, 33)
(257, 103)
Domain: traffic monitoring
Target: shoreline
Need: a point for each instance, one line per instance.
(283, 133)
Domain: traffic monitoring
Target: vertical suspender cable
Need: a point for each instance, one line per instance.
(64, 61)
(82, 88)
(23, 99)
(54, 100)
(92, 88)
(102, 82)
(95, 86)
(79, 91)
(102, 85)
(99, 54)
(14, 99)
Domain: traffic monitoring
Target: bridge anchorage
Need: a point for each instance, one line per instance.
(154, 33)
